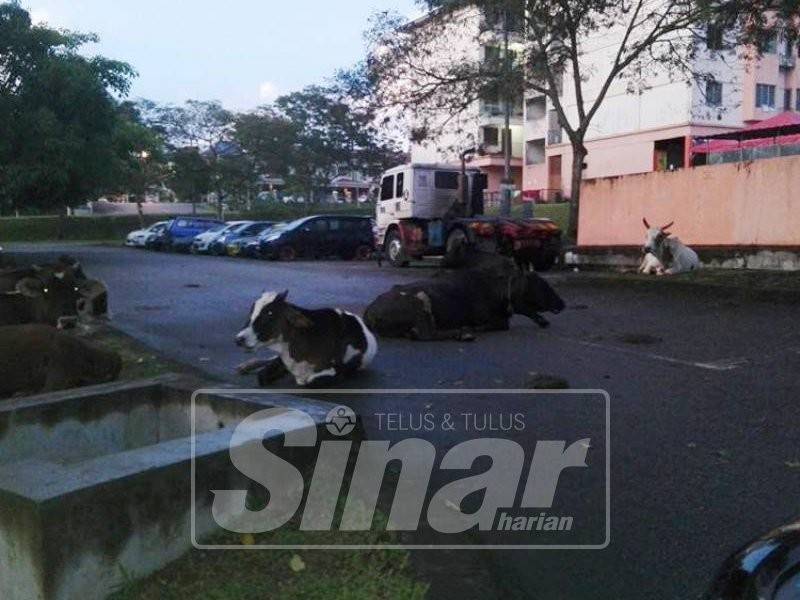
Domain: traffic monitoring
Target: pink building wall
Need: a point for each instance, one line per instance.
(743, 204)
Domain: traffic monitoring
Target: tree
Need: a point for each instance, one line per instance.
(60, 138)
(643, 38)
(312, 135)
(203, 130)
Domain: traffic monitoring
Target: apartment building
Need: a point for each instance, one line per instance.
(652, 129)
(471, 35)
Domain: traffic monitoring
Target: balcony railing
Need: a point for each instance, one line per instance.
(787, 61)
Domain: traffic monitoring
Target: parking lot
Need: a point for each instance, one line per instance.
(703, 391)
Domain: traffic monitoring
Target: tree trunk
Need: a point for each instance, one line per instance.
(579, 153)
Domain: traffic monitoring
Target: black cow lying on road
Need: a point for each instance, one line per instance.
(57, 294)
(40, 358)
(456, 304)
(312, 345)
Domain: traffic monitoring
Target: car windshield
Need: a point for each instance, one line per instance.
(295, 224)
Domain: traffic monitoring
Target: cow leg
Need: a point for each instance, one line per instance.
(272, 371)
(425, 330)
(251, 366)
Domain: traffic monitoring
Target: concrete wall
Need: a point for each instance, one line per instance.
(745, 204)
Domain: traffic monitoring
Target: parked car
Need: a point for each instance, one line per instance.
(239, 246)
(227, 244)
(138, 238)
(765, 569)
(202, 243)
(251, 247)
(181, 232)
(321, 236)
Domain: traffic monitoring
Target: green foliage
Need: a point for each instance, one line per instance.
(63, 136)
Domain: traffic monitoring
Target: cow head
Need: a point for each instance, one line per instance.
(270, 316)
(52, 300)
(533, 295)
(655, 237)
(93, 301)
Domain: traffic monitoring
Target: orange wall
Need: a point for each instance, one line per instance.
(756, 203)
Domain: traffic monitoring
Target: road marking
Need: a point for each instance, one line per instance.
(717, 365)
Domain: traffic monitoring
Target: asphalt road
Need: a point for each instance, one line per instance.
(704, 392)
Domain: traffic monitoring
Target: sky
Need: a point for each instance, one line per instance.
(242, 52)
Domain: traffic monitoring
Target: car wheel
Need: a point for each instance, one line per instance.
(287, 253)
(395, 252)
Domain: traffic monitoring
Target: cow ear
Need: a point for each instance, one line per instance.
(298, 319)
(282, 296)
(30, 287)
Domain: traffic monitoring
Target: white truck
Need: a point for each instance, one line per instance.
(427, 209)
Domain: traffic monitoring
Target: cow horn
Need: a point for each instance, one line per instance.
(646, 224)
(665, 227)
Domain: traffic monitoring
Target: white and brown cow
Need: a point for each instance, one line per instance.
(312, 345)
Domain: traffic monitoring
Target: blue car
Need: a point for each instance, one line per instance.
(181, 232)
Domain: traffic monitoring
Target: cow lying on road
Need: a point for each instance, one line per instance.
(312, 345)
(40, 358)
(454, 305)
(55, 294)
(675, 257)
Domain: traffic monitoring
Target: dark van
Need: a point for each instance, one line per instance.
(321, 236)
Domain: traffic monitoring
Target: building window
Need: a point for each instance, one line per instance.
(765, 96)
(491, 136)
(715, 37)
(771, 44)
(536, 109)
(787, 99)
(797, 99)
(534, 152)
(713, 93)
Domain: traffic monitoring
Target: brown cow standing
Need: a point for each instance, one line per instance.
(40, 358)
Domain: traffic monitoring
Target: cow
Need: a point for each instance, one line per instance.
(62, 287)
(455, 305)
(674, 256)
(39, 358)
(312, 345)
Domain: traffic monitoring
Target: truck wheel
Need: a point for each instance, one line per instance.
(395, 253)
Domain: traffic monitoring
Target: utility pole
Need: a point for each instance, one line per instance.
(507, 186)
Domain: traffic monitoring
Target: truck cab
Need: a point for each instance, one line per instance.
(427, 209)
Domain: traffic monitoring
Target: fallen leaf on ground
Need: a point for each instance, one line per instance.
(297, 564)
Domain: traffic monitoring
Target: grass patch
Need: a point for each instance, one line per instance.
(138, 361)
(776, 286)
(289, 574)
